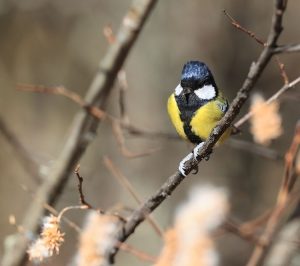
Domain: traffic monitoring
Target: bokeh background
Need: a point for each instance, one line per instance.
(60, 42)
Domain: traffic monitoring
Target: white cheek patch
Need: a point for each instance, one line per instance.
(178, 90)
(207, 92)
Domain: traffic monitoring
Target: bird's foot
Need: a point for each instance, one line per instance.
(193, 155)
(196, 169)
(182, 167)
(197, 150)
(206, 158)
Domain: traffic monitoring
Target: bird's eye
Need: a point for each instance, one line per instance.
(203, 82)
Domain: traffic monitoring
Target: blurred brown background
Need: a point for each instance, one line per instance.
(60, 42)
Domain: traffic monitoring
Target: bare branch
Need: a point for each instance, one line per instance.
(84, 126)
(95, 112)
(137, 253)
(289, 48)
(274, 97)
(174, 180)
(261, 42)
(122, 79)
(133, 130)
(81, 195)
(241, 28)
(282, 71)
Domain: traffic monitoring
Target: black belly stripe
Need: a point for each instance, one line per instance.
(190, 134)
(188, 107)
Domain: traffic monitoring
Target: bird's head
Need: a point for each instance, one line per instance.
(197, 78)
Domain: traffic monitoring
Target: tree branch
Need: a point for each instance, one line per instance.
(80, 190)
(275, 96)
(84, 126)
(289, 48)
(174, 180)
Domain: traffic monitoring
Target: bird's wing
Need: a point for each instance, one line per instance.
(174, 114)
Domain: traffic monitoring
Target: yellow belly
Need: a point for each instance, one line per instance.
(206, 118)
(203, 122)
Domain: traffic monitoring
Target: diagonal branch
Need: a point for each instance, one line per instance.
(84, 126)
(275, 96)
(174, 180)
(261, 42)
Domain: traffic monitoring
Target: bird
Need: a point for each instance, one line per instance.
(195, 107)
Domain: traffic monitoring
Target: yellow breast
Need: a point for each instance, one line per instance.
(206, 118)
(203, 121)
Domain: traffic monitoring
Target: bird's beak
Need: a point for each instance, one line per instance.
(187, 91)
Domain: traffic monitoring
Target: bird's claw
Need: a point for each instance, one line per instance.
(196, 169)
(193, 155)
(197, 150)
(182, 168)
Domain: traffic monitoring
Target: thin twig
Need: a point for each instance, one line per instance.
(125, 122)
(84, 126)
(81, 195)
(247, 230)
(261, 42)
(128, 186)
(109, 35)
(95, 112)
(123, 88)
(289, 48)
(122, 77)
(133, 130)
(174, 180)
(241, 28)
(88, 205)
(282, 70)
(52, 210)
(274, 97)
(236, 230)
(66, 209)
(137, 253)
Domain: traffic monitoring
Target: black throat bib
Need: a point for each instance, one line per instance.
(188, 105)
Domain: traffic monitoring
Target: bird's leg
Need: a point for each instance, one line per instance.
(206, 158)
(197, 150)
(193, 155)
(182, 167)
